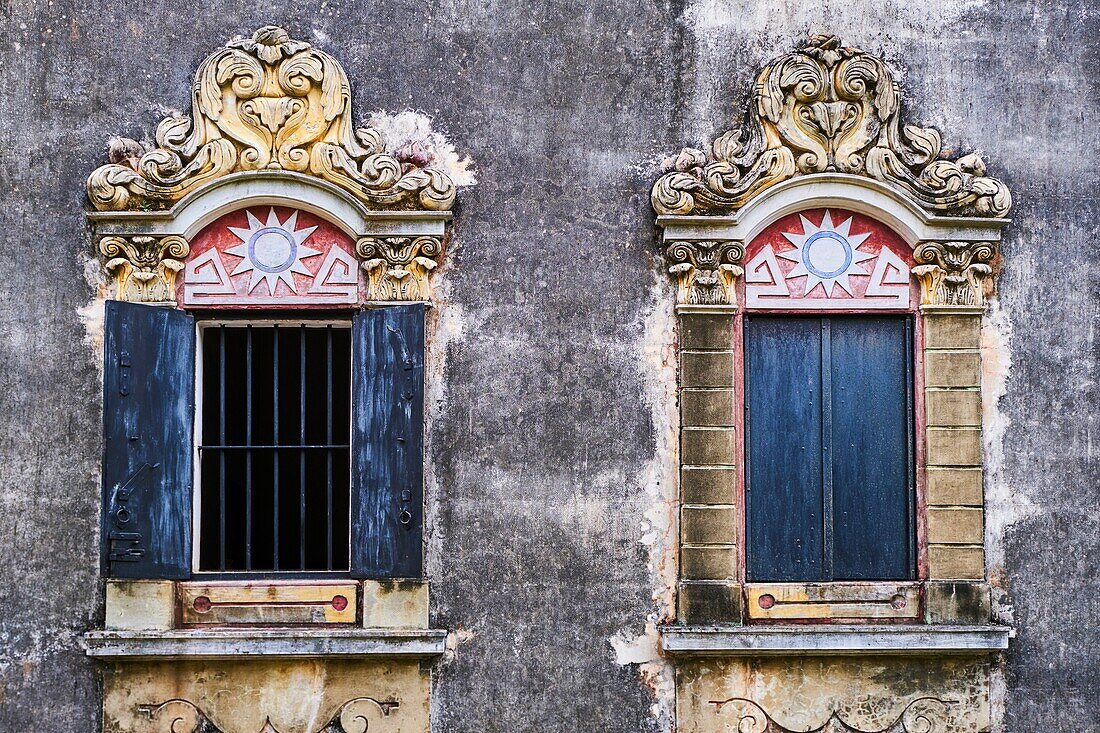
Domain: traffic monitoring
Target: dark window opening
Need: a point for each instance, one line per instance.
(275, 455)
(829, 448)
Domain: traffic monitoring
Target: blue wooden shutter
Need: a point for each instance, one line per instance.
(872, 448)
(387, 442)
(784, 484)
(829, 448)
(148, 407)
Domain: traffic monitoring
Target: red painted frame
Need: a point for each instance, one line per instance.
(920, 479)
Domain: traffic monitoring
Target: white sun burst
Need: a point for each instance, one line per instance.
(273, 251)
(826, 255)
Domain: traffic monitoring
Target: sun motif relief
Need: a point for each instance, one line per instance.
(826, 255)
(272, 251)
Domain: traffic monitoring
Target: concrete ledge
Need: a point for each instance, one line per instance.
(267, 642)
(895, 639)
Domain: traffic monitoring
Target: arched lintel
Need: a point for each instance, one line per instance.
(881, 201)
(270, 188)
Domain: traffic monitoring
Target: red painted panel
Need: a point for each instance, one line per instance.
(828, 259)
(270, 257)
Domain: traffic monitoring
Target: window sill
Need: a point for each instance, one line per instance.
(265, 642)
(837, 639)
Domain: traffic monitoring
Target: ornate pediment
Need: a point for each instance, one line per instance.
(827, 108)
(268, 103)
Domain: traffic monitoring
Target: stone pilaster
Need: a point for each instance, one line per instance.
(710, 516)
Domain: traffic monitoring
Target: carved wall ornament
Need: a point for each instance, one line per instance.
(143, 268)
(706, 271)
(354, 716)
(953, 273)
(398, 268)
(827, 107)
(921, 715)
(267, 102)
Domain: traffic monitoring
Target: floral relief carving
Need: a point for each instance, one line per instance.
(953, 273)
(398, 268)
(143, 268)
(267, 102)
(358, 715)
(921, 715)
(706, 271)
(827, 107)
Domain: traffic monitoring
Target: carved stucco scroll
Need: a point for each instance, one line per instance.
(398, 268)
(921, 715)
(953, 273)
(357, 715)
(267, 102)
(143, 268)
(706, 271)
(827, 107)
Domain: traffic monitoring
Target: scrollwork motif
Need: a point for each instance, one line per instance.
(824, 108)
(921, 715)
(354, 716)
(398, 268)
(953, 273)
(266, 102)
(706, 271)
(143, 267)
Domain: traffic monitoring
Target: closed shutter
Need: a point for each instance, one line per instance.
(148, 406)
(829, 448)
(387, 442)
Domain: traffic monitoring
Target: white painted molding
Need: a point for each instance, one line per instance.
(881, 201)
(251, 642)
(270, 188)
(895, 639)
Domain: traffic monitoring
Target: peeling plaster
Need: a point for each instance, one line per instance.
(1005, 504)
(92, 314)
(658, 524)
(409, 133)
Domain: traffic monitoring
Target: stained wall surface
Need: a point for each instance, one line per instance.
(551, 442)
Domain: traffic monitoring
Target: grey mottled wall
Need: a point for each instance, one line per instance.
(547, 443)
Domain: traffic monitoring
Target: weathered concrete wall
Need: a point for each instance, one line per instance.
(550, 439)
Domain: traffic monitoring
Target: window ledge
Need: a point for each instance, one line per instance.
(834, 639)
(266, 642)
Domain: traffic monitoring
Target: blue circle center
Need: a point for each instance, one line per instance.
(817, 238)
(272, 256)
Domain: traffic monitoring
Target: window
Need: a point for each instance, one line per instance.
(274, 452)
(829, 448)
(310, 441)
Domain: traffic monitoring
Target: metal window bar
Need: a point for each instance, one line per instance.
(243, 515)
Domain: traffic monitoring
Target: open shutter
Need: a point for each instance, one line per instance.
(148, 406)
(387, 442)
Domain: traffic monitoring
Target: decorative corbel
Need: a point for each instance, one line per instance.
(953, 273)
(706, 271)
(144, 267)
(399, 268)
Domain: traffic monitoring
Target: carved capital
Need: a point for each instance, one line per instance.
(142, 268)
(953, 273)
(827, 108)
(706, 271)
(399, 268)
